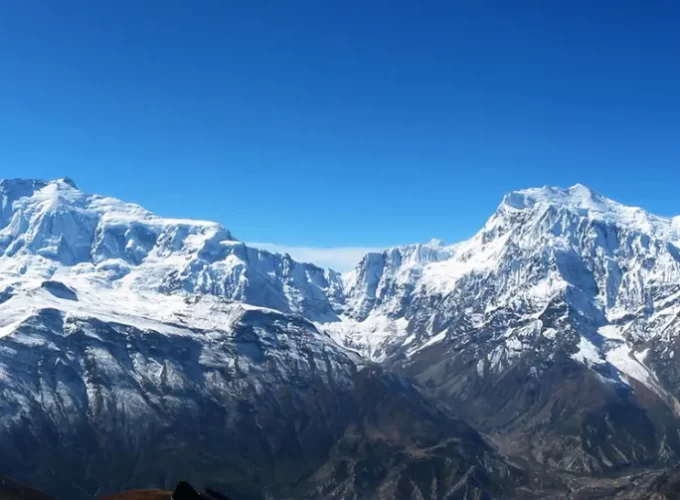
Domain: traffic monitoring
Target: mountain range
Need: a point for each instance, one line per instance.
(535, 360)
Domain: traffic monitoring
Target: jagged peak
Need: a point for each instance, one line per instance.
(431, 250)
(577, 195)
(68, 181)
(64, 192)
(410, 256)
(588, 203)
(37, 182)
(19, 188)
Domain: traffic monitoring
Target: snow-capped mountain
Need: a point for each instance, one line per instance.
(557, 279)
(51, 230)
(136, 351)
(618, 266)
(127, 335)
(554, 330)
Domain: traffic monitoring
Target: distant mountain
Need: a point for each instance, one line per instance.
(136, 351)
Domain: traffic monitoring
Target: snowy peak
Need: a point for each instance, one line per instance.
(584, 202)
(51, 227)
(381, 275)
(12, 190)
(577, 196)
(542, 246)
(68, 181)
(55, 220)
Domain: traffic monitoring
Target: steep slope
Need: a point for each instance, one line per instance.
(401, 446)
(554, 328)
(92, 407)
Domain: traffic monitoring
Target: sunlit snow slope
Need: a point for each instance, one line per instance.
(614, 267)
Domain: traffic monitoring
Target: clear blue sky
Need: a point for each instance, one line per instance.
(338, 123)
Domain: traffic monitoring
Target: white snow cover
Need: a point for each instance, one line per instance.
(52, 230)
(568, 266)
(587, 353)
(562, 268)
(111, 314)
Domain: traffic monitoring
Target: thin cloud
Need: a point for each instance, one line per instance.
(341, 258)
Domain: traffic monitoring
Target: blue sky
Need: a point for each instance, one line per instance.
(343, 124)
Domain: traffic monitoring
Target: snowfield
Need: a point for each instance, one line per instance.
(555, 268)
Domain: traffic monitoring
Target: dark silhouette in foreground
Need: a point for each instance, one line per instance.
(185, 491)
(13, 490)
